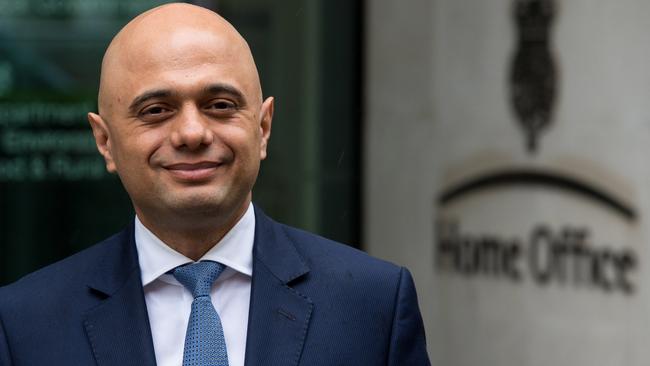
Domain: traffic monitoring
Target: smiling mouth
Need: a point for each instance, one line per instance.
(193, 172)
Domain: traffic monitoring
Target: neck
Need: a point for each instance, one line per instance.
(192, 237)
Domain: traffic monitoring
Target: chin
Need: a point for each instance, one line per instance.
(197, 206)
(205, 205)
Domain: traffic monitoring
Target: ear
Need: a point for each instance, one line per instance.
(102, 139)
(266, 118)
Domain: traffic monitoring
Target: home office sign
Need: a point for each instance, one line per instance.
(551, 222)
(537, 184)
(489, 226)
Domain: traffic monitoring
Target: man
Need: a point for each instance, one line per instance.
(202, 277)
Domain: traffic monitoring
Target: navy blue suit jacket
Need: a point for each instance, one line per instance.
(313, 302)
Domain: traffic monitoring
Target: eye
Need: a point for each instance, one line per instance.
(221, 106)
(154, 110)
(155, 113)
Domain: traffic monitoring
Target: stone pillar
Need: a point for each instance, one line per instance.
(506, 164)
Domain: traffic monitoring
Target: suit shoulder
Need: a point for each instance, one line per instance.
(323, 252)
(70, 270)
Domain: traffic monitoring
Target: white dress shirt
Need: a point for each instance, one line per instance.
(169, 303)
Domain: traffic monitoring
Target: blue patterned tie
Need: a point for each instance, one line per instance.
(204, 341)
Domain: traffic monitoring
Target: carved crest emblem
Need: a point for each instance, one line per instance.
(533, 75)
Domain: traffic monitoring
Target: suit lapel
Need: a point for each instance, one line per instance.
(118, 328)
(279, 315)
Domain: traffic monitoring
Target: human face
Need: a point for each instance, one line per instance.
(185, 128)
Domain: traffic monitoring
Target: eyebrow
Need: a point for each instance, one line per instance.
(151, 94)
(222, 88)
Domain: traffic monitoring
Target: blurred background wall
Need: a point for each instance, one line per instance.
(505, 163)
(495, 148)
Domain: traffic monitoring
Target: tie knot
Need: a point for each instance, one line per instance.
(198, 277)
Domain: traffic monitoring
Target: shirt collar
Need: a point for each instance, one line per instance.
(234, 250)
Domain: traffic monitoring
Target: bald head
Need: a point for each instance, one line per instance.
(173, 36)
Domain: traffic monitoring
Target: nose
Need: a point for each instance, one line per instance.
(191, 131)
